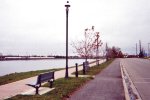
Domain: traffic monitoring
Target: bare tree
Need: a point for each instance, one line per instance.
(97, 43)
(86, 47)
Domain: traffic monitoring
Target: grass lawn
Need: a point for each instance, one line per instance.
(65, 87)
(22, 75)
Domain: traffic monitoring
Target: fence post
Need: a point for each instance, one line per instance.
(84, 68)
(98, 62)
(76, 69)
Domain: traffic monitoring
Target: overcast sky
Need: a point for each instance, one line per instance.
(38, 26)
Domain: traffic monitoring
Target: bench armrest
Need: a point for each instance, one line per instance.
(33, 85)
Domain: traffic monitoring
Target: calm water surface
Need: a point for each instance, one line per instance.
(7, 67)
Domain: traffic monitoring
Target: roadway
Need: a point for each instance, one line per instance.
(139, 72)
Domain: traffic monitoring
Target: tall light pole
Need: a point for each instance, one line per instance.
(136, 50)
(98, 43)
(141, 51)
(106, 52)
(148, 53)
(97, 51)
(67, 10)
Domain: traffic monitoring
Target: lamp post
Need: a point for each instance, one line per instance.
(67, 10)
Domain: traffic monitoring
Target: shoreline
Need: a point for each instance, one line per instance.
(26, 59)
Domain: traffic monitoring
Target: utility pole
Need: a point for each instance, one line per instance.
(140, 46)
(97, 43)
(141, 51)
(67, 10)
(136, 50)
(148, 53)
(106, 52)
(97, 51)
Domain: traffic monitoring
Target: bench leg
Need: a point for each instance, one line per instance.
(50, 84)
(37, 90)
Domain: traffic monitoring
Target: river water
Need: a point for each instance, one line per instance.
(7, 67)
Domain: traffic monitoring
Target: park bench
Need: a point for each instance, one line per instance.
(44, 77)
(85, 66)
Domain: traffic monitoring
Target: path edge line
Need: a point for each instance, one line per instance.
(131, 93)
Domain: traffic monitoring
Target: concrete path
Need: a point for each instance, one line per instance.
(18, 87)
(106, 86)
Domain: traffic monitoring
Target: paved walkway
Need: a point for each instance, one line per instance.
(106, 86)
(18, 87)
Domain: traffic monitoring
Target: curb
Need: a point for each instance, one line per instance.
(130, 90)
(42, 90)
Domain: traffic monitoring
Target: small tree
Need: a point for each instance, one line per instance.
(85, 48)
(97, 43)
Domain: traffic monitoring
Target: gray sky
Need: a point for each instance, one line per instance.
(38, 26)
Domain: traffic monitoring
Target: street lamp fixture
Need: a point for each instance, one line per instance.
(67, 10)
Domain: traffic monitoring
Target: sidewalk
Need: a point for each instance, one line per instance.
(18, 87)
(106, 86)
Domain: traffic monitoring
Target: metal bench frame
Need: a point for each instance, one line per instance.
(45, 77)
